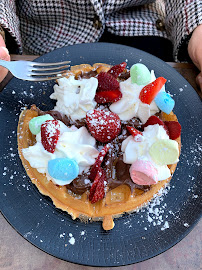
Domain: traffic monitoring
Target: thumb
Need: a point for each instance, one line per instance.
(4, 54)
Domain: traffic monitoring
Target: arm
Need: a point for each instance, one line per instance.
(9, 27)
(183, 25)
(195, 52)
(4, 55)
(182, 17)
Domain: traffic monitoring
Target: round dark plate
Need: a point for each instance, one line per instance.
(135, 237)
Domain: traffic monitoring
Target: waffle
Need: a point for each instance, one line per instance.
(116, 202)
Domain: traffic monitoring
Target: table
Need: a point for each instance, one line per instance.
(18, 254)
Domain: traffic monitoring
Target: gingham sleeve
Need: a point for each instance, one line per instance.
(10, 22)
(182, 17)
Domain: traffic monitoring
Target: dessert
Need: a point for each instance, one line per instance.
(110, 143)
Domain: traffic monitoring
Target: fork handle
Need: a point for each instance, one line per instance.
(5, 64)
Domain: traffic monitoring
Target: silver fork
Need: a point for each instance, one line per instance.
(33, 71)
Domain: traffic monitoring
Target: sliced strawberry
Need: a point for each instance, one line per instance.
(50, 132)
(106, 82)
(98, 162)
(94, 185)
(97, 190)
(149, 92)
(136, 133)
(108, 96)
(153, 120)
(117, 69)
(174, 129)
(103, 125)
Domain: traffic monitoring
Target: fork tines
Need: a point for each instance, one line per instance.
(40, 69)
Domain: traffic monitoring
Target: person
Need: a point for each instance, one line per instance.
(40, 26)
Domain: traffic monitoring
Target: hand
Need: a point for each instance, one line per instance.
(4, 55)
(195, 52)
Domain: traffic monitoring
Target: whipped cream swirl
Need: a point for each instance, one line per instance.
(75, 97)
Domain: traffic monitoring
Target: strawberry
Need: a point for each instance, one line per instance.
(153, 120)
(174, 129)
(117, 69)
(106, 82)
(98, 162)
(108, 96)
(136, 133)
(97, 190)
(149, 92)
(50, 133)
(103, 125)
(95, 182)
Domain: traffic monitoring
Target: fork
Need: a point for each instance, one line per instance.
(33, 71)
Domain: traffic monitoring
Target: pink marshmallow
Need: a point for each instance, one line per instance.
(143, 173)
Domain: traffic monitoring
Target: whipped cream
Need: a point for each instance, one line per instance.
(130, 105)
(75, 97)
(139, 150)
(73, 143)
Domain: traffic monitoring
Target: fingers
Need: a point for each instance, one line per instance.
(4, 55)
(195, 52)
(199, 80)
(195, 47)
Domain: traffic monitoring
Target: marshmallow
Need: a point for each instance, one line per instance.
(36, 122)
(164, 152)
(164, 102)
(140, 74)
(143, 172)
(63, 170)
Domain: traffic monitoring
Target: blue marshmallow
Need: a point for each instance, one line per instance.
(164, 102)
(63, 170)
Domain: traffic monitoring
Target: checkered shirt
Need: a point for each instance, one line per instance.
(39, 26)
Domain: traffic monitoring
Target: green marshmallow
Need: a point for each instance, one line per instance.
(140, 74)
(36, 122)
(164, 152)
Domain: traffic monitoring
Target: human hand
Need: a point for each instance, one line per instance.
(4, 55)
(195, 52)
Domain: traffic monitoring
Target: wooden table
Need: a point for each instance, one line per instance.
(18, 254)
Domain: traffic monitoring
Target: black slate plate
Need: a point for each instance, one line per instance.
(136, 237)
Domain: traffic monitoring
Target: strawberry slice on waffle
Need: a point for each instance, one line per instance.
(135, 133)
(50, 132)
(174, 129)
(149, 92)
(98, 162)
(153, 120)
(116, 70)
(104, 125)
(108, 89)
(97, 189)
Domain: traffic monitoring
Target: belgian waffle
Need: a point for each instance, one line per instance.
(117, 201)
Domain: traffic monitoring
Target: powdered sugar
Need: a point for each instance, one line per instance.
(72, 239)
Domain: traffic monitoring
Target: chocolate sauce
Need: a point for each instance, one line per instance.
(124, 75)
(123, 177)
(87, 75)
(63, 118)
(80, 184)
